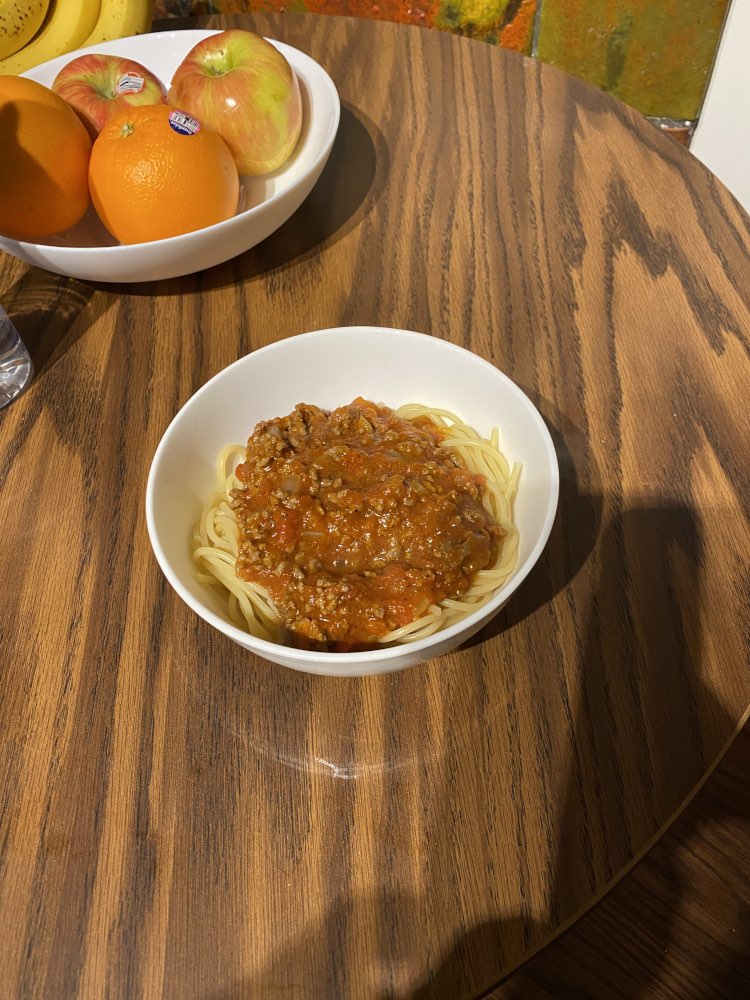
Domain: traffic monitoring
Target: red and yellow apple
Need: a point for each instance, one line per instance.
(240, 85)
(98, 87)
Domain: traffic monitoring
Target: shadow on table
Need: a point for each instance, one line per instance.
(574, 532)
(654, 665)
(350, 183)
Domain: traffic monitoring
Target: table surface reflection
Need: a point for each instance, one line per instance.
(181, 819)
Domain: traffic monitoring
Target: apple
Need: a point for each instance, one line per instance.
(242, 87)
(98, 87)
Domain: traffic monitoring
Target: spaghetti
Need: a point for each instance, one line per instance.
(484, 533)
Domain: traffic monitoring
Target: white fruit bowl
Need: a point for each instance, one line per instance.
(88, 252)
(329, 368)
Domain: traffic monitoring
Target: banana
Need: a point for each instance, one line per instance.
(19, 22)
(119, 19)
(67, 24)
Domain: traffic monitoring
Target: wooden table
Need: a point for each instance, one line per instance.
(182, 820)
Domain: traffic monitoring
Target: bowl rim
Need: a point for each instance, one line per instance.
(300, 657)
(239, 219)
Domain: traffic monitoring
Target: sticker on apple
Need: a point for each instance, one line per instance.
(98, 87)
(129, 83)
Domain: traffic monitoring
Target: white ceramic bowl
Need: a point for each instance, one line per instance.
(330, 368)
(88, 252)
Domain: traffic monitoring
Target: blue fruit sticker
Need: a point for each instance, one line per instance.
(183, 123)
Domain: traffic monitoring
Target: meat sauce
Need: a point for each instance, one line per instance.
(356, 521)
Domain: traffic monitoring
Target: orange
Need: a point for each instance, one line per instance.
(155, 172)
(44, 158)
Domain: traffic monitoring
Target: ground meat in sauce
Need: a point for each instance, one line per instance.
(356, 521)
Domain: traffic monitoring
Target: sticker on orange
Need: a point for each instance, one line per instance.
(183, 123)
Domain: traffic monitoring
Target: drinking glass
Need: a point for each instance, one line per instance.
(16, 369)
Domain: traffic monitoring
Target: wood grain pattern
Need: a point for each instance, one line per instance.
(182, 820)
